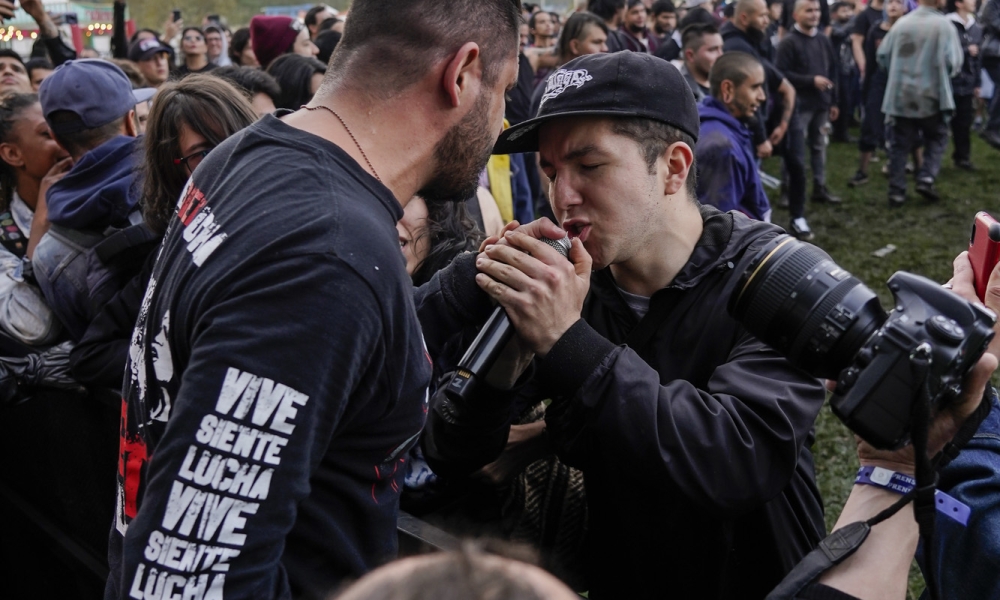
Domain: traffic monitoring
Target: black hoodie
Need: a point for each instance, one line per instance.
(692, 434)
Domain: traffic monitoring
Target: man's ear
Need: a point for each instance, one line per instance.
(728, 91)
(11, 154)
(678, 159)
(689, 55)
(574, 47)
(461, 74)
(129, 127)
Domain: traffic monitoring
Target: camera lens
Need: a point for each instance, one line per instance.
(795, 298)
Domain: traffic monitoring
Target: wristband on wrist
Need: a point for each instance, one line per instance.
(902, 484)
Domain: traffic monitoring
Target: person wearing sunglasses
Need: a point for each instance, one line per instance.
(194, 49)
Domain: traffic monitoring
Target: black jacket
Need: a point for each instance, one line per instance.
(970, 78)
(801, 58)
(692, 434)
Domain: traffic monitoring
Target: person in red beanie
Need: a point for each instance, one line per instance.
(271, 37)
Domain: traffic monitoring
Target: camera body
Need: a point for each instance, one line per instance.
(874, 393)
(794, 297)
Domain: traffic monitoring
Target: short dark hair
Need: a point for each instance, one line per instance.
(11, 54)
(633, 3)
(693, 36)
(696, 15)
(654, 137)
(731, 66)
(327, 24)
(241, 39)
(131, 70)
(250, 80)
(839, 5)
(85, 140)
(411, 35)
(327, 42)
(37, 63)
(294, 76)
(663, 6)
(575, 28)
(311, 14)
(606, 9)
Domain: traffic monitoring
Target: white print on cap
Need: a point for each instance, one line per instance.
(563, 79)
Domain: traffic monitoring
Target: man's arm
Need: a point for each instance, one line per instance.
(884, 53)
(787, 92)
(858, 49)
(275, 360)
(541, 58)
(49, 33)
(756, 408)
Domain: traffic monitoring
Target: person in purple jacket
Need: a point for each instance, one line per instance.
(727, 164)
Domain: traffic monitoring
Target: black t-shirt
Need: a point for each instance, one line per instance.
(277, 376)
(872, 41)
(788, 14)
(519, 105)
(863, 22)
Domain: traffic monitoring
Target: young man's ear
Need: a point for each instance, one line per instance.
(679, 159)
(728, 91)
(11, 154)
(129, 127)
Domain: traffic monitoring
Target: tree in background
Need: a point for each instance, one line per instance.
(153, 13)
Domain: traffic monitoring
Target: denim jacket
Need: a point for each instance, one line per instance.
(966, 559)
(24, 314)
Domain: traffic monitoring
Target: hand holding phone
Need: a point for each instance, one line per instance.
(177, 15)
(984, 250)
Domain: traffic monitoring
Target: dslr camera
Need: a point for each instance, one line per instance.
(795, 298)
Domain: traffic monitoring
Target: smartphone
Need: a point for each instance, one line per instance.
(984, 250)
(214, 18)
(177, 15)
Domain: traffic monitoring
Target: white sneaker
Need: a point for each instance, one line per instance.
(800, 229)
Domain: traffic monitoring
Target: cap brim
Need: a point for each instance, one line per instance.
(523, 137)
(143, 94)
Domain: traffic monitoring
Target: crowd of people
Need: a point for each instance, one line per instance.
(272, 245)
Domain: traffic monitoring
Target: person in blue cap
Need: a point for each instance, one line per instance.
(89, 106)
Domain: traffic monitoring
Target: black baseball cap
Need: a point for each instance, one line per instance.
(622, 84)
(146, 49)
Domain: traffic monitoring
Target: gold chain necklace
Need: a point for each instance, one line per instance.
(350, 133)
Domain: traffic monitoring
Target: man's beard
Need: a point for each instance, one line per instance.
(635, 29)
(460, 157)
(756, 36)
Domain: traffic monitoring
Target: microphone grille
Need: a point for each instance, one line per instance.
(562, 246)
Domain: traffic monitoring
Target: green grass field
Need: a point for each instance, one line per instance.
(927, 237)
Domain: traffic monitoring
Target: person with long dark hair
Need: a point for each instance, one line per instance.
(188, 119)
(240, 50)
(194, 49)
(30, 160)
(299, 78)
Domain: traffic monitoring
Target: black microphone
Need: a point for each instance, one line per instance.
(492, 338)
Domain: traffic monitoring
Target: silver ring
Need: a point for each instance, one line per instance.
(947, 286)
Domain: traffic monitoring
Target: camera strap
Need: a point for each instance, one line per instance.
(845, 541)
